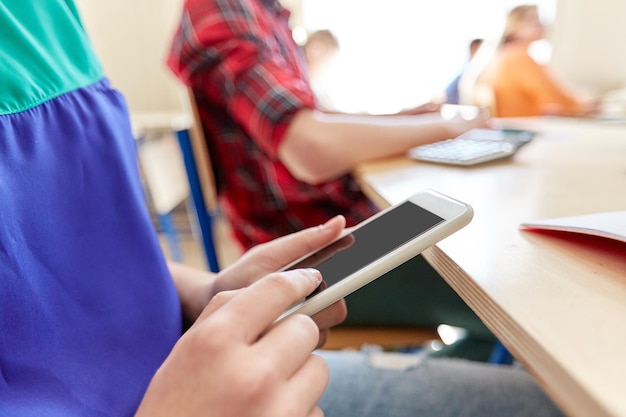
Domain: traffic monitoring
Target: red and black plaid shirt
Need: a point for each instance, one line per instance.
(249, 79)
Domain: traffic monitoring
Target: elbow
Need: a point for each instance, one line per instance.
(304, 175)
(307, 153)
(306, 163)
(310, 177)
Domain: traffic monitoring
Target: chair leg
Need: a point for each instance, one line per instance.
(202, 216)
(500, 354)
(172, 237)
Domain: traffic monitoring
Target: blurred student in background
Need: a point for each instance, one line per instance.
(320, 50)
(520, 86)
(280, 162)
(452, 91)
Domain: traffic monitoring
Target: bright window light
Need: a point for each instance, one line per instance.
(450, 334)
(397, 54)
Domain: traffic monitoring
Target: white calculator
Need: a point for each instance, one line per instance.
(474, 147)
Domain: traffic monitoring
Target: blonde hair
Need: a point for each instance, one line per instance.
(514, 20)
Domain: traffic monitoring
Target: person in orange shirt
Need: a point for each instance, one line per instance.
(522, 87)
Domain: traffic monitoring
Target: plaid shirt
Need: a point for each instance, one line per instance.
(249, 79)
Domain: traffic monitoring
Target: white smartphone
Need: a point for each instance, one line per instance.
(379, 244)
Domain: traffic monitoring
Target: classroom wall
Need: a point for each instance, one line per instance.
(131, 37)
(295, 7)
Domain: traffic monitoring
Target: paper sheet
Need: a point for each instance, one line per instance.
(611, 225)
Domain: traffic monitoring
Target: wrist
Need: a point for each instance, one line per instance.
(194, 304)
(194, 287)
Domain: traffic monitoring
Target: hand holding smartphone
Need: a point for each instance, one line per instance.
(379, 244)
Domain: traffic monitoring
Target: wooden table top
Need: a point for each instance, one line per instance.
(557, 301)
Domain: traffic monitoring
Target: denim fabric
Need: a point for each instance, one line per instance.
(430, 388)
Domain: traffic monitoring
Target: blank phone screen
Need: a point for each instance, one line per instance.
(370, 242)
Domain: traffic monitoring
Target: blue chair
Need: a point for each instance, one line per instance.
(201, 209)
(500, 355)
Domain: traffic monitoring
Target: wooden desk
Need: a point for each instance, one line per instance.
(558, 303)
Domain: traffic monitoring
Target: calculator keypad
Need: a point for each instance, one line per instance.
(463, 151)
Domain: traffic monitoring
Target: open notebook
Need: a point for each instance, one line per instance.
(611, 225)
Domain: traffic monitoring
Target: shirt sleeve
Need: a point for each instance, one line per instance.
(237, 59)
(540, 84)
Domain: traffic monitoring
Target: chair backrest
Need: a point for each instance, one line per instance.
(201, 155)
(200, 177)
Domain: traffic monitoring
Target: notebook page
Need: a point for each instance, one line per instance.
(610, 225)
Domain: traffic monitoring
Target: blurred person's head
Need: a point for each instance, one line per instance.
(320, 49)
(474, 46)
(523, 25)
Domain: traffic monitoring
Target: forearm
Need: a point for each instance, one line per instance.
(556, 100)
(195, 288)
(318, 147)
(554, 97)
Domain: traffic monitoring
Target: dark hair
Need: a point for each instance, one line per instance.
(475, 43)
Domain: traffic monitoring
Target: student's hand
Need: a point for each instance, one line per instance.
(272, 256)
(459, 124)
(232, 363)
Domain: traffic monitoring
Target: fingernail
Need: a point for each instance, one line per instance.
(324, 226)
(314, 273)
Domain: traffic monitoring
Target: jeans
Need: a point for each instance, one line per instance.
(430, 387)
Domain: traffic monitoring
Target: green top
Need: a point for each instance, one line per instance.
(40, 61)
